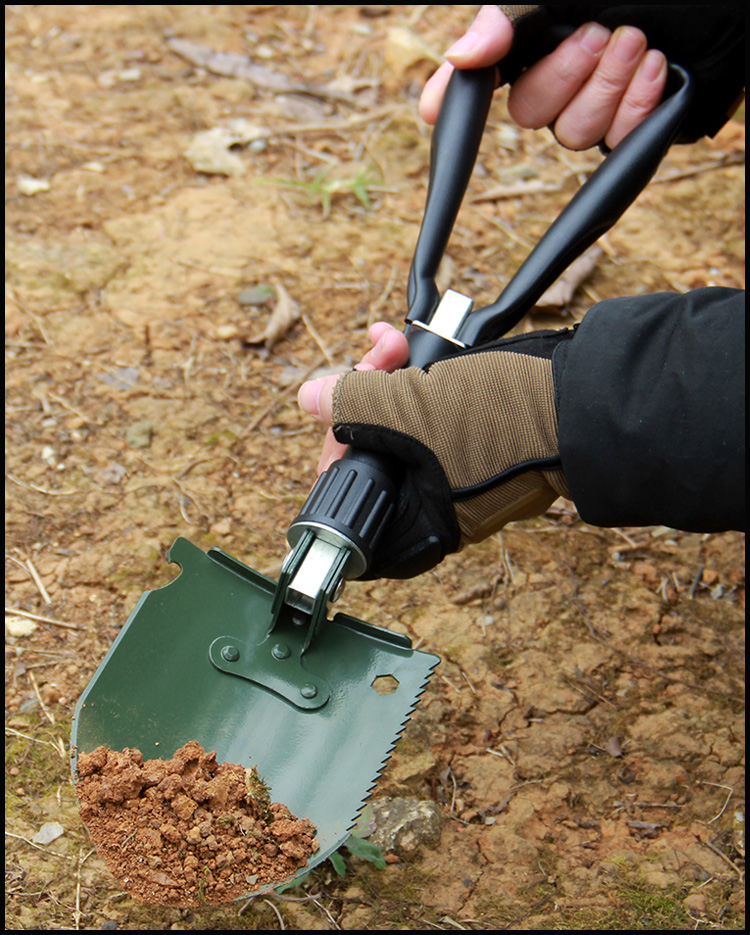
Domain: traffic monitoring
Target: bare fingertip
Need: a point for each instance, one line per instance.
(653, 66)
(594, 37)
(308, 397)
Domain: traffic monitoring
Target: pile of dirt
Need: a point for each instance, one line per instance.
(188, 831)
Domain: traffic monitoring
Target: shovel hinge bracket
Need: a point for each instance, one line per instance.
(274, 664)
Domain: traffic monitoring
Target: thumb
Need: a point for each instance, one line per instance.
(316, 397)
(486, 41)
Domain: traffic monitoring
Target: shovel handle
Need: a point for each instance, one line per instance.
(453, 152)
(455, 145)
(594, 209)
(352, 502)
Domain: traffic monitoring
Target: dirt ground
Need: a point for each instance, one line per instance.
(584, 734)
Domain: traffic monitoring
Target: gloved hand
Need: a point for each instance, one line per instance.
(476, 433)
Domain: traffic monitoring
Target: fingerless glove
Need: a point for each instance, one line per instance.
(477, 435)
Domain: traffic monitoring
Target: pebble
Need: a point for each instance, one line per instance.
(138, 435)
(49, 832)
(31, 186)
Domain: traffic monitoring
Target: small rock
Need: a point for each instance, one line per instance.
(695, 904)
(130, 74)
(256, 295)
(31, 186)
(209, 150)
(112, 474)
(19, 626)
(227, 332)
(139, 434)
(402, 824)
(49, 832)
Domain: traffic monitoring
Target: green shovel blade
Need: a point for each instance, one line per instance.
(158, 688)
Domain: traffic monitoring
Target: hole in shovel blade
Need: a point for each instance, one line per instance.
(385, 684)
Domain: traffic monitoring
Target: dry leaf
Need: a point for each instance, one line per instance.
(209, 150)
(561, 292)
(405, 48)
(285, 314)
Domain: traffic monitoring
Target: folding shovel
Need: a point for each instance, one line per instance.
(255, 669)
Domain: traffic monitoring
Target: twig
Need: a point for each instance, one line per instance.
(514, 190)
(278, 914)
(588, 694)
(66, 405)
(656, 805)
(473, 690)
(28, 566)
(334, 126)
(382, 298)
(50, 717)
(326, 913)
(38, 582)
(732, 159)
(81, 862)
(719, 785)
(448, 682)
(456, 925)
(12, 611)
(28, 486)
(502, 752)
(282, 397)
(455, 792)
(630, 541)
(49, 743)
(20, 837)
(317, 338)
(724, 857)
(696, 582)
(32, 315)
(213, 270)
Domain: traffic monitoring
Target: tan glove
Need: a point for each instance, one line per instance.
(477, 434)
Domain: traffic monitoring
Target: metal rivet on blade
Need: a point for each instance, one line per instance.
(230, 654)
(308, 691)
(281, 651)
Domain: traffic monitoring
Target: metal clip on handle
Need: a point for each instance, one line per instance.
(353, 500)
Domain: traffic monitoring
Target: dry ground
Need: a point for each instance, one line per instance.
(584, 733)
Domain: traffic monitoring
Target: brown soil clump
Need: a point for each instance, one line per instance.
(188, 831)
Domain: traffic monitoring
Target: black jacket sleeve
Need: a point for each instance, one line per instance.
(651, 407)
